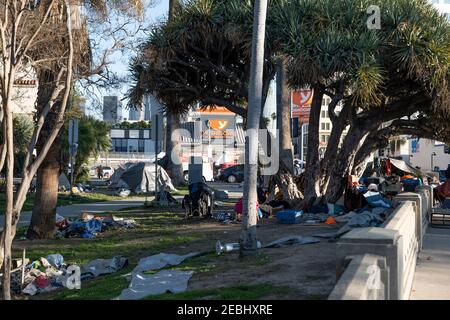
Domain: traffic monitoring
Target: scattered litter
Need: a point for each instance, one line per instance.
(361, 220)
(89, 225)
(290, 240)
(222, 216)
(330, 221)
(47, 274)
(56, 260)
(289, 216)
(142, 285)
(100, 267)
(161, 260)
(228, 247)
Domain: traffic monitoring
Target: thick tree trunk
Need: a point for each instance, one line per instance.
(285, 176)
(344, 162)
(312, 172)
(248, 240)
(42, 224)
(329, 160)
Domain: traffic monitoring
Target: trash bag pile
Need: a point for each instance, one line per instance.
(50, 273)
(88, 225)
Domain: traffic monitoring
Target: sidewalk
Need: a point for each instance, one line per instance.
(75, 210)
(432, 277)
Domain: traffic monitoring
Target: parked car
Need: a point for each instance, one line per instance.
(207, 171)
(232, 174)
(107, 171)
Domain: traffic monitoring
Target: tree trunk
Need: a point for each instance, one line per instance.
(248, 240)
(9, 206)
(174, 150)
(42, 224)
(312, 172)
(285, 176)
(173, 4)
(344, 162)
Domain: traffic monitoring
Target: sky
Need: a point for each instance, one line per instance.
(119, 65)
(119, 61)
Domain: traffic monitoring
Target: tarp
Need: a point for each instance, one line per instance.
(63, 181)
(402, 165)
(140, 178)
(143, 285)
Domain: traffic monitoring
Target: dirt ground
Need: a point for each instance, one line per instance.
(308, 270)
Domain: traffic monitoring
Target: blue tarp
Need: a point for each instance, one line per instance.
(86, 229)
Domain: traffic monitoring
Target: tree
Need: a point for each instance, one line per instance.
(201, 57)
(377, 75)
(88, 71)
(248, 241)
(93, 140)
(21, 50)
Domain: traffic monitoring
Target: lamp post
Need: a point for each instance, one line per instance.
(432, 158)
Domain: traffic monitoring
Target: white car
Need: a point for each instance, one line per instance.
(107, 171)
(208, 174)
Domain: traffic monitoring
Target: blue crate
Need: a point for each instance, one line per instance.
(289, 216)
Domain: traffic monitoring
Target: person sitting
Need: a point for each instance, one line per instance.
(443, 191)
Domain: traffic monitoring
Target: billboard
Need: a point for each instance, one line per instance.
(217, 123)
(301, 104)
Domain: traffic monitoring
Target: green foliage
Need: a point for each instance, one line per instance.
(93, 138)
(135, 125)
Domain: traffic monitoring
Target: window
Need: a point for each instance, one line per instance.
(322, 126)
(323, 114)
(327, 126)
(141, 147)
(324, 138)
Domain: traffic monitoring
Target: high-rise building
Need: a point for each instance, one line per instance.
(135, 114)
(112, 109)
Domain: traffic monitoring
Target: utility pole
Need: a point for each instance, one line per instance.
(73, 148)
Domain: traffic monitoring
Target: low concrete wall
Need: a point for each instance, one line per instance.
(423, 207)
(397, 241)
(366, 277)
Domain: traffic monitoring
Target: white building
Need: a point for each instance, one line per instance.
(428, 155)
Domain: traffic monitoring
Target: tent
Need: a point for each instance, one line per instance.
(403, 166)
(140, 178)
(63, 182)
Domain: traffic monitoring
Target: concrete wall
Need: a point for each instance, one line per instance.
(365, 278)
(398, 241)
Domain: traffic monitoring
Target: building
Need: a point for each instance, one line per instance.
(112, 109)
(149, 106)
(301, 105)
(428, 155)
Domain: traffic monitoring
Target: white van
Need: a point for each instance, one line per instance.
(208, 174)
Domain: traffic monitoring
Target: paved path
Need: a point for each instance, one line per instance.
(432, 277)
(75, 210)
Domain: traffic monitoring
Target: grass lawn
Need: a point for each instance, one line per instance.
(64, 199)
(157, 232)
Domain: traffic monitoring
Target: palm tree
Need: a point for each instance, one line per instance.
(248, 242)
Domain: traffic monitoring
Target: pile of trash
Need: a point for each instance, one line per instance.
(88, 225)
(50, 273)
